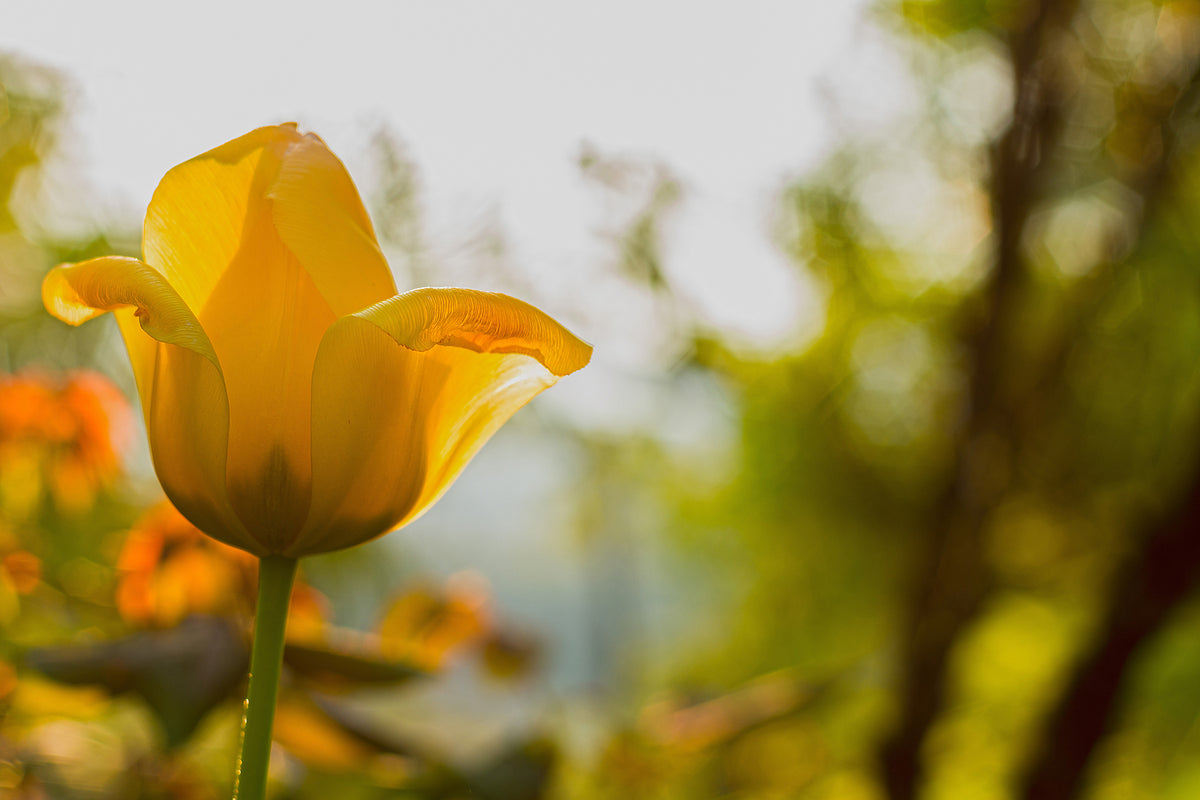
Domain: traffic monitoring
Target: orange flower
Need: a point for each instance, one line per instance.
(295, 402)
(424, 626)
(24, 569)
(61, 435)
(308, 615)
(169, 569)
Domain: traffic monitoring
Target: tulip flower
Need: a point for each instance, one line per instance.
(295, 402)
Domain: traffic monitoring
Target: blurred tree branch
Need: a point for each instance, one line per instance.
(1159, 575)
(952, 578)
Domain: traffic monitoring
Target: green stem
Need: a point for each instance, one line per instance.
(275, 576)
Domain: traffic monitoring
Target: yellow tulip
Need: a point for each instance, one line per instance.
(295, 403)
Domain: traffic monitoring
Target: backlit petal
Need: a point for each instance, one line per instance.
(179, 379)
(322, 220)
(405, 393)
(266, 319)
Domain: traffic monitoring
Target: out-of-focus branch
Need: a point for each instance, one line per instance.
(722, 720)
(952, 580)
(1159, 576)
(1162, 573)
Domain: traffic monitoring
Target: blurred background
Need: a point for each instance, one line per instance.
(882, 484)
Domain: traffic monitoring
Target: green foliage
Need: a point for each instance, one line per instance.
(945, 18)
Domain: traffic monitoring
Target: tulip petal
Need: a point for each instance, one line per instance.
(178, 375)
(407, 391)
(321, 219)
(266, 319)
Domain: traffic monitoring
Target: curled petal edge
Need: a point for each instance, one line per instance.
(486, 322)
(76, 293)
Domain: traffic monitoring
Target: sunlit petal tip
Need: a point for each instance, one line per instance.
(282, 134)
(64, 302)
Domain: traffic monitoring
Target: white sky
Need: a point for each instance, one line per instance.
(493, 100)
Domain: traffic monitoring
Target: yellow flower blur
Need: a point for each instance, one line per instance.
(295, 403)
